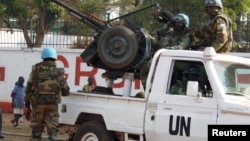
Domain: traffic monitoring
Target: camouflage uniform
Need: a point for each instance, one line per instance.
(179, 87)
(45, 86)
(176, 40)
(191, 73)
(177, 37)
(87, 88)
(217, 31)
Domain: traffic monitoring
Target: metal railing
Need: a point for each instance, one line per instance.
(15, 38)
(61, 35)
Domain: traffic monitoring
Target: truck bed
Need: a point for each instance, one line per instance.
(129, 111)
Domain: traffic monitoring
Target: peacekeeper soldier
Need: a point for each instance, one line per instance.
(179, 36)
(90, 86)
(45, 86)
(217, 31)
(191, 73)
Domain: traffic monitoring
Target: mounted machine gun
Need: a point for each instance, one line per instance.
(116, 48)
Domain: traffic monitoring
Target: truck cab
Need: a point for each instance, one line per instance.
(225, 98)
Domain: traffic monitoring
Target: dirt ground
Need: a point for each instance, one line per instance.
(22, 133)
(8, 116)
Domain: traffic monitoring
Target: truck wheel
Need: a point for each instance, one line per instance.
(117, 47)
(93, 131)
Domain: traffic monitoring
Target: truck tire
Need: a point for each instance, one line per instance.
(93, 131)
(117, 47)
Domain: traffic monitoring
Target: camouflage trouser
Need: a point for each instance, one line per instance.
(44, 116)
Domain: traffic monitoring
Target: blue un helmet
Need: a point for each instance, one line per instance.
(182, 18)
(49, 52)
(214, 3)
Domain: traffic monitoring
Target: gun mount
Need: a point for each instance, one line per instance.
(116, 48)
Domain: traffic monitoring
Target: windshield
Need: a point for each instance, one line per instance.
(235, 77)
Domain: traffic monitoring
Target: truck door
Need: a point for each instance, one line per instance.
(172, 116)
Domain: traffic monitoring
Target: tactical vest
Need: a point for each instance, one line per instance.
(47, 84)
(229, 43)
(173, 38)
(208, 33)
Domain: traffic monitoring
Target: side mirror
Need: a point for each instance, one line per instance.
(192, 88)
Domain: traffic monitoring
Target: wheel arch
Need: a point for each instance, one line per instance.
(87, 116)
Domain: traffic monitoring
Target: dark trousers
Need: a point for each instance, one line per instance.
(16, 119)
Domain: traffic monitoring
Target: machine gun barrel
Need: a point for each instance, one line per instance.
(152, 5)
(94, 22)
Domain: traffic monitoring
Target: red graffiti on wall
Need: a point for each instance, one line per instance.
(2, 73)
(85, 73)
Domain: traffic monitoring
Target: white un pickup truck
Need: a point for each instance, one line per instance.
(162, 115)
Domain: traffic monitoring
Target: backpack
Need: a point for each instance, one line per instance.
(47, 83)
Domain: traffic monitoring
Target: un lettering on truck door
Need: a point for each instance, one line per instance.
(180, 127)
